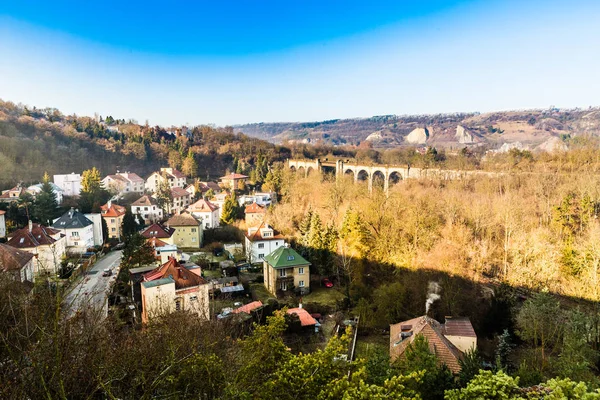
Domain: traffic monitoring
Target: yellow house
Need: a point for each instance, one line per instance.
(188, 231)
(285, 269)
(113, 216)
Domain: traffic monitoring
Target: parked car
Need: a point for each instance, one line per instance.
(327, 283)
(107, 272)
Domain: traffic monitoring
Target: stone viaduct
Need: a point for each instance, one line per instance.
(386, 175)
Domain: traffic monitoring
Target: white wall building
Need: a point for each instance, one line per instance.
(48, 245)
(205, 212)
(173, 176)
(37, 189)
(264, 199)
(261, 241)
(69, 183)
(148, 210)
(123, 182)
(78, 229)
(97, 221)
(2, 224)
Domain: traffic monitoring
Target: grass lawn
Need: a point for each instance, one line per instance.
(370, 343)
(259, 291)
(323, 295)
(212, 274)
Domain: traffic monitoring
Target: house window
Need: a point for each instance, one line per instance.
(193, 240)
(113, 229)
(261, 256)
(261, 245)
(282, 273)
(267, 234)
(75, 244)
(283, 286)
(145, 208)
(177, 305)
(193, 298)
(75, 234)
(301, 270)
(301, 283)
(193, 230)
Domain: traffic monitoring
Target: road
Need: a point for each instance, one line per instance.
(91, 289)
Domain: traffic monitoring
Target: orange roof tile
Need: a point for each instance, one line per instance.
(182, 277)
(255, 208)
(202, 205)
(305, 318)
(248, 308)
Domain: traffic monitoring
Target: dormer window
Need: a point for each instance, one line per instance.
(290, 258)
(22, 240)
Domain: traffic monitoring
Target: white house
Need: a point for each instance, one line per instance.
(205, 212)
(78, 229)
(147, 208)
(181, 199)
(97, 221)
(2, 224)
(123, 182)
(260, 241)
(219, 200)
(48, 245)
(69, 183)
(37, 189)
(264, 199)
(171, 175)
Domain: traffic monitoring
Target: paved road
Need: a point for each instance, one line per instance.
(91, 289)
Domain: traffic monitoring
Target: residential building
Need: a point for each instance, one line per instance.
(123, 182)
(205, 212)
(172, 287)
(248, 308)
(69, 183)
(2, 224)
(147, 209)
(165, 234)
(284, 269)
(449, 342)
(174, 177)
(181, 199)
(37, 189)
(47, 245)
(17, 263)
(188, 231)
(264, 199)
(255, 214)
(260, 241)
(11, 195)
(306, 320)
(78, 229)
(232, 181)
(97, 222)
(219, 200)
(113, 215)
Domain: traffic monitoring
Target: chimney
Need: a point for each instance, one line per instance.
(109, 203)
(30, 226)
(300, 303)
(71, 212)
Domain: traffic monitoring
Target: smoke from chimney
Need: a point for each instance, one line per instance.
(433, 294)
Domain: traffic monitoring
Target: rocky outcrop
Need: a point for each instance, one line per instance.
(375, 136)
(553, 145)
(418, 136)
(463, 136)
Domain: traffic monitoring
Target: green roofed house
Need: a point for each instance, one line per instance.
(285, 269)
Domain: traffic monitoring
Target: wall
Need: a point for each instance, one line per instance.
(253, 250)
(184, 236)
(463, 343)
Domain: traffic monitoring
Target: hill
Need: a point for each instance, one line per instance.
(531, 128)
(34, 141)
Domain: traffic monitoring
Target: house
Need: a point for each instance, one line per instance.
(188, 231)
(96, 219)
(123, 182)
(172, 287)
(264, 199)
(78, 229)
(113, 216)
(449, 341)
(248, 308)
(232, 181)
(147, 208)
(2, 224)
(260, 241)
(37, 189)
(283, 269)
(219, 200)
(16, 263)
(47, 245)
(306, 320)
(69, 183)
(255, 214)
(171, 175)
(181, 199)
(165, 234)
(11, 195)
(206, 212)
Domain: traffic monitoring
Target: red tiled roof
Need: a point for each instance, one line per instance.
(182, 277)
(179, 192)
(38, 236)
(459, 327)
(177, 174)
(234, 176)
(255, 208)
(117, 178)
(202, 205)
(182, 220)
(155, 242)
(133, 177)
(145, 200)
(12, 259)
(439, 345)
(248, 308)
(305, 318)
(258, 235)
(6, 194)
(114, 210)
(157, 231)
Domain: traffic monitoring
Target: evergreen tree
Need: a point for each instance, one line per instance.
(46, 204)
(129, 226)
(304, 227)
(190, 166)
(230, 210)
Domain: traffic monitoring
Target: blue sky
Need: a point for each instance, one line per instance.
(233, 62)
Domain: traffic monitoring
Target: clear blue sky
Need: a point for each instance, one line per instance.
(230, 62)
